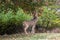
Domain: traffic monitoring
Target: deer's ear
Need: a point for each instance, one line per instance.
(32, 14)
(39, 14)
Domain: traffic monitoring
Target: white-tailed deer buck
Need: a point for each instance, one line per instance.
(31, 23)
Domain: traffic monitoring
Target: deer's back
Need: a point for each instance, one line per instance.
(30, 23)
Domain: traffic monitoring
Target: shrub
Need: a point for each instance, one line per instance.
(47, 17)
(10, 21)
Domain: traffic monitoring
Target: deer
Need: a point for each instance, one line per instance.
(31, 23)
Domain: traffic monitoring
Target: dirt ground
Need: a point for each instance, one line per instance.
(53, 34)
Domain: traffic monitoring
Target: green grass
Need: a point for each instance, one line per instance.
(37, 36)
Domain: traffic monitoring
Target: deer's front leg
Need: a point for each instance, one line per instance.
(33, 29)
(25, 29)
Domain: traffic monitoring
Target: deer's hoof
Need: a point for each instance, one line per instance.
(33, 32)
(26, 33)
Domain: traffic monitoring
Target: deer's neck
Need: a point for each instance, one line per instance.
(35, 19)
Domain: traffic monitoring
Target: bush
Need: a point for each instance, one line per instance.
(9, 21)
(47, 17)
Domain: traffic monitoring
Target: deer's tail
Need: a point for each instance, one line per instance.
(24, 23)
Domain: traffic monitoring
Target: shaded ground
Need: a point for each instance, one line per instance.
(48, 30)
(36, 36)
(53, 34)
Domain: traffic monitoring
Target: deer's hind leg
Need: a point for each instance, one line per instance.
(33, 29)
(25, 29)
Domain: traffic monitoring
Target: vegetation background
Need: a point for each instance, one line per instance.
(14, 12)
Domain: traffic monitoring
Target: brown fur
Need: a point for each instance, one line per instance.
(32, 23)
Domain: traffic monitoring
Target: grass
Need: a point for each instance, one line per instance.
(36, 36)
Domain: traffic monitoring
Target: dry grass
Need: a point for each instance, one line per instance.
(37, 36)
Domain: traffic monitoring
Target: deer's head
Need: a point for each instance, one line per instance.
(35, 14)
